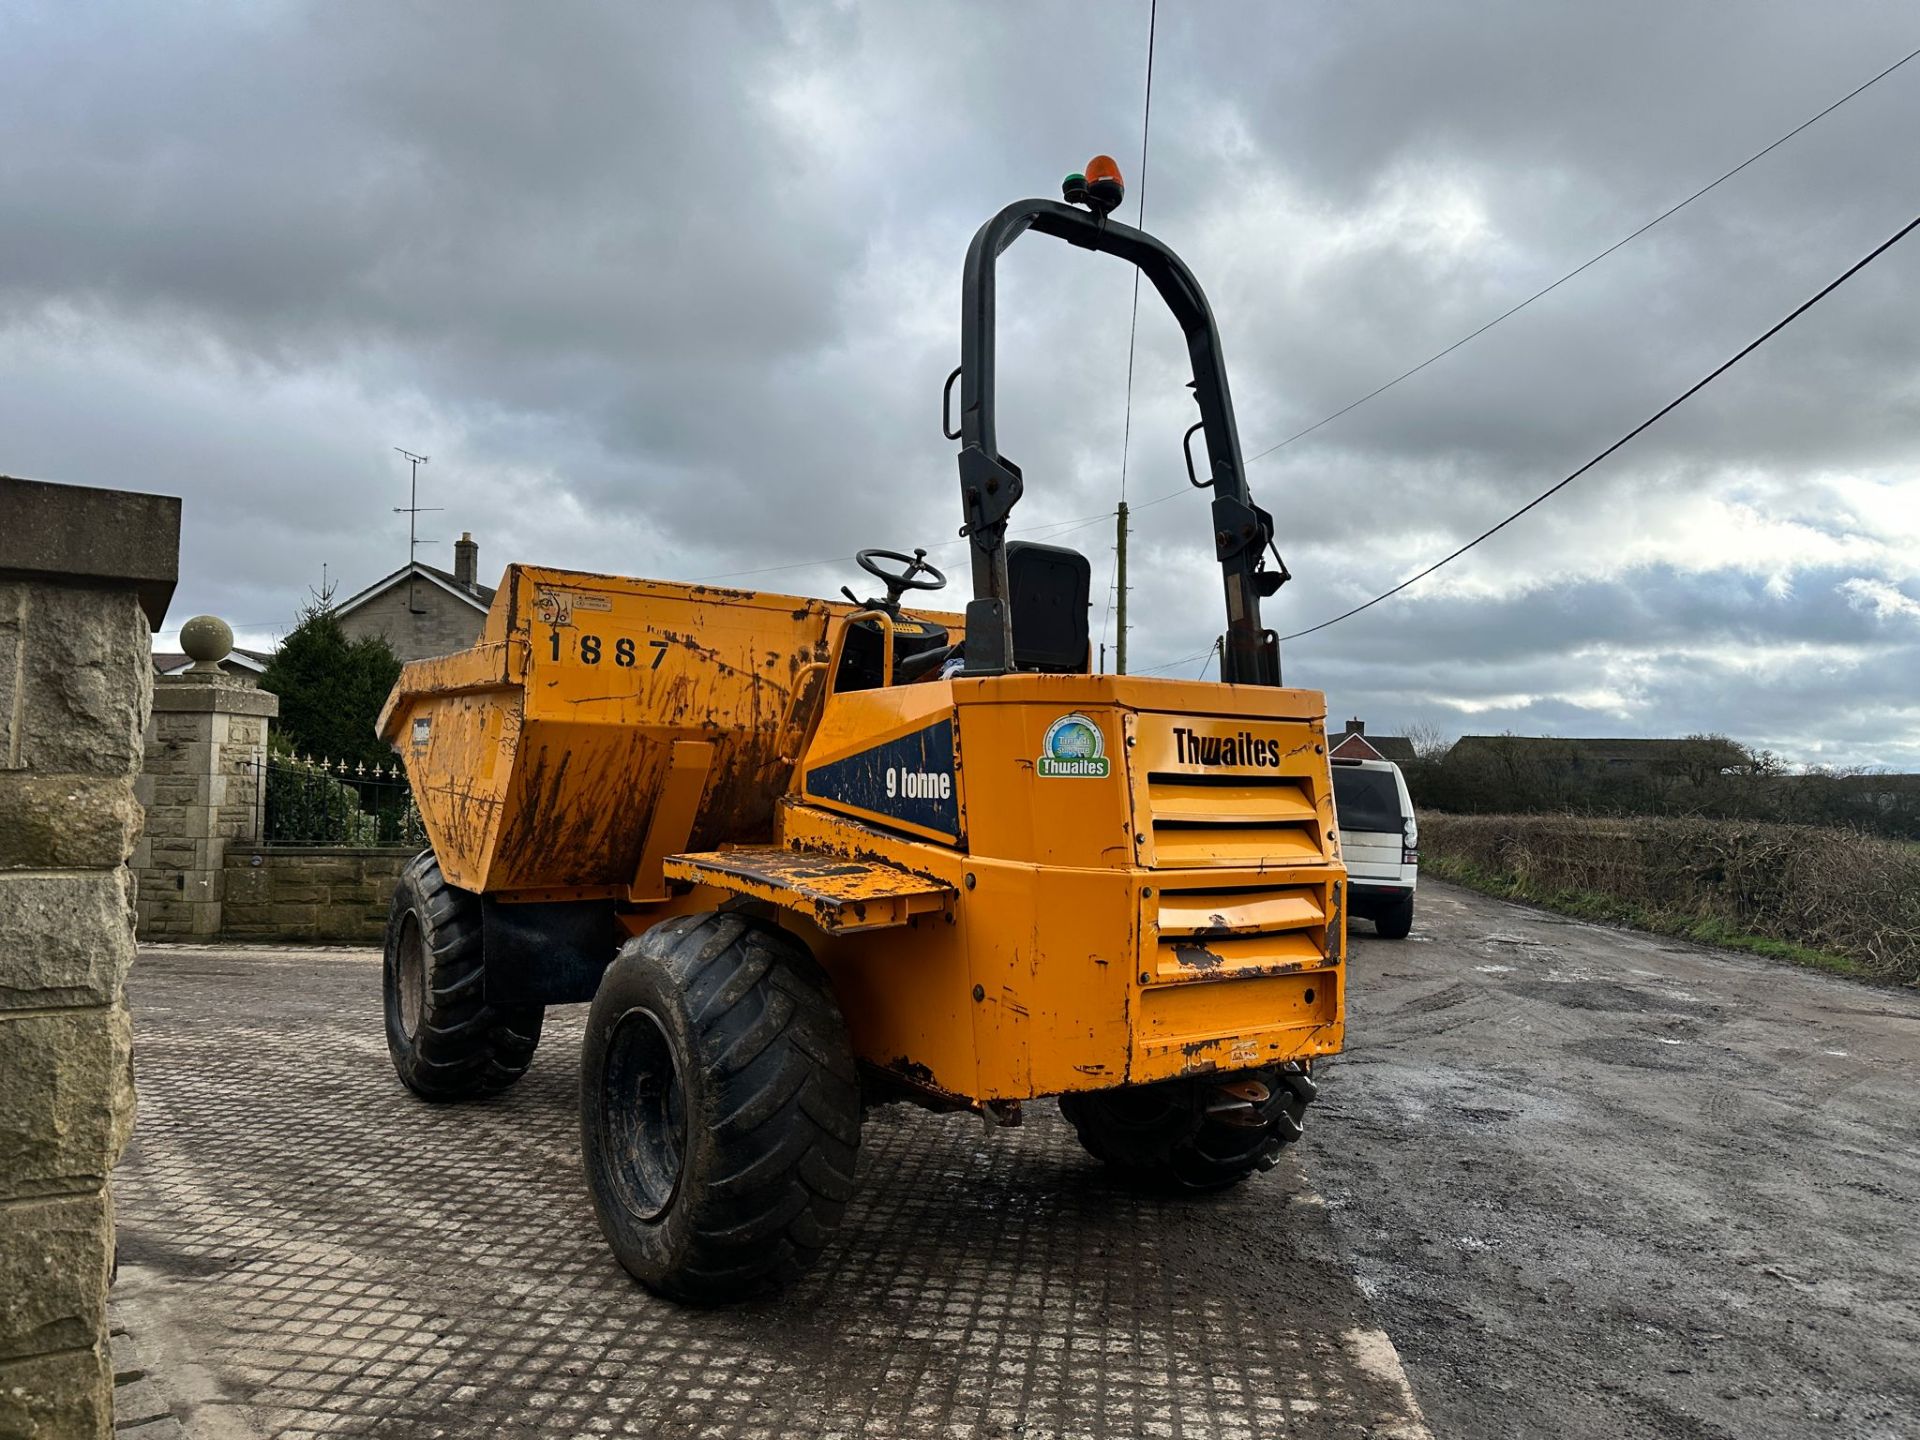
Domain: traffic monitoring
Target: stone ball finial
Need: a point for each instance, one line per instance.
(208, 640)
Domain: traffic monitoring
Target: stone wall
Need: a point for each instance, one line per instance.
(319, 893)
(83, 575)
(202, 869)
(205, 754)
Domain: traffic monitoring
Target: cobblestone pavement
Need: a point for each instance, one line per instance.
(307, 1250)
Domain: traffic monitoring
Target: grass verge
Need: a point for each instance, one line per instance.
(1610, 910)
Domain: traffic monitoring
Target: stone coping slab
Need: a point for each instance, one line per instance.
(75, 533)
(212, 694)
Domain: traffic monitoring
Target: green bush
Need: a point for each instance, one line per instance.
(413, 830)
(331, 689)
(1702, 776)
(307, 806)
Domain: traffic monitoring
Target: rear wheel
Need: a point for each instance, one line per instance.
(447, 1043)
(1395, 921)
(719, 1108)
(1198, 1134)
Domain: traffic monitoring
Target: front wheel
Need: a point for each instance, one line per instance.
(719, 1108)
(446, 1041)
(1196, 1134)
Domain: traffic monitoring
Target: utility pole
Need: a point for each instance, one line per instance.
(413, 508)
(1120, 582)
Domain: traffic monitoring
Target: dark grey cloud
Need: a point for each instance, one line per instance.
(672, 290)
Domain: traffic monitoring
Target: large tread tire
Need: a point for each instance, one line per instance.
(1160, 1136)
(1396, 921)
(719, 1108)
(447, 1043)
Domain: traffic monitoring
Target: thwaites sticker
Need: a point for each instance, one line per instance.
(1073, 749)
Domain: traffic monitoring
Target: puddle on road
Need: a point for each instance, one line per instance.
(1525, 942)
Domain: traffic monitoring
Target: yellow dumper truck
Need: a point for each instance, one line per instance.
(806, 856)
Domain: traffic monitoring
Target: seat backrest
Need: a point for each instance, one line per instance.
(1049, 587)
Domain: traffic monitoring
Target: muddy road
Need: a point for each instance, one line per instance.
(1604, 1184)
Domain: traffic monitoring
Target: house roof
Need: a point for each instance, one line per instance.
(1397, 748)
(478, 596)
(1354, 746)
(173, 662)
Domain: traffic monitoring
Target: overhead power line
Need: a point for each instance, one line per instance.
(1665, 410)
(1545, 290)
(1065, 527)
(1117, 589)
(1583, 265)
(1184, 660)
(1051, 529)
(1140, 222)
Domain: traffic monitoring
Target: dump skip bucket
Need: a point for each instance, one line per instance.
(602, 723)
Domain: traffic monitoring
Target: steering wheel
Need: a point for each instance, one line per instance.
(917, 574)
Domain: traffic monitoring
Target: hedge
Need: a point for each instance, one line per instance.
(1836, 892)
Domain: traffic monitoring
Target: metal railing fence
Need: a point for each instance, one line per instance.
(306, 800)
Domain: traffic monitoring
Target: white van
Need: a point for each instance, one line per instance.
(1380, 842)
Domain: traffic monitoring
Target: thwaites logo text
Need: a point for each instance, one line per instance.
(1244, 749)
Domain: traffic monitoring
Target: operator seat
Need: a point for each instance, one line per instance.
(1049, 587)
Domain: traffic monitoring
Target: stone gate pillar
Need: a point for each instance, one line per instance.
(83, 575)
(203, 785)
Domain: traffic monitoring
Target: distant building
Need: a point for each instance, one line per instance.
(246, 664)
(421, 609)
(1355, 744)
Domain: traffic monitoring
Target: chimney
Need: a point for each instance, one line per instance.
(1356, 726)
(466, 559)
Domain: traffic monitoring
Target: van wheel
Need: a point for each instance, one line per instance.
(1394, 922)
(719, 1108)
(1197, 1134)
(447, 1043)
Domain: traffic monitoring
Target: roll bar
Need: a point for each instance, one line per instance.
(990, 484)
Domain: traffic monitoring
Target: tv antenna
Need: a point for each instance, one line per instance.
(413, 508)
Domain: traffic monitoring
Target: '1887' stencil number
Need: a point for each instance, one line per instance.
(590, 650)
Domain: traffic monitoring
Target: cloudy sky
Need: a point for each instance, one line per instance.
(671, 291)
